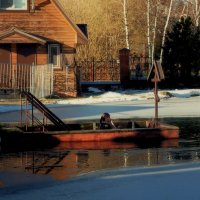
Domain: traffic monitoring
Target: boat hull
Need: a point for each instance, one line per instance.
(136, 137)
(163, 132)
(91, 145)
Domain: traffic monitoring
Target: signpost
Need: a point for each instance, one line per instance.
(157, 73)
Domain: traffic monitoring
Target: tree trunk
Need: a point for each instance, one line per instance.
(165, 30)
(154, 33)
(148, 31)
(126, 25)
(196, 12)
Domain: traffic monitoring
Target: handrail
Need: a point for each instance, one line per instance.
(38, 122)
(42, 108)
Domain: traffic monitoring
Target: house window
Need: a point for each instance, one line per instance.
(54, 55)
(13, 4)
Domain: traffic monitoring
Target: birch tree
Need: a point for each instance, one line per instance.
(124, 14)
(148, 28)
(165, 29)
(116, 24)
(196, 11)
(154, 30)
(191, 8)
(152, 7)
(126, 24)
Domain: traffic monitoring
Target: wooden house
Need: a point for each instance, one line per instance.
(38, 33)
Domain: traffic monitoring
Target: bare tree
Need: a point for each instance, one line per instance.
(165, 29)
(157, 5)
(195, 11)
(191, 8)
(126, 24)
(148, 28)
(115, 24)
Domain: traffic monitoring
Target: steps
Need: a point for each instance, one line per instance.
(43, 109)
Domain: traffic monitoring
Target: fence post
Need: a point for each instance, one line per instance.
(124, 66)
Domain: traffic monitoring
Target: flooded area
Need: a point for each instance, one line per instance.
(71, 159)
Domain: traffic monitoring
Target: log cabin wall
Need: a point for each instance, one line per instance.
(46, 22)
(41, 55)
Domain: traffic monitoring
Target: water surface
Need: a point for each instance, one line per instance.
(69, 160)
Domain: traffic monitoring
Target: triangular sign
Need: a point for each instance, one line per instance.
(156, 71)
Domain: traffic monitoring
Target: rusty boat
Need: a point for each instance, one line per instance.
(34, 129)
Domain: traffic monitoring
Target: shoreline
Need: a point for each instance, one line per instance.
(172, 107)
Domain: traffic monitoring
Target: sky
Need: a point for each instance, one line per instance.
(169, 182)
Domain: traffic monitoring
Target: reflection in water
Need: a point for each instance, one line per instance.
(71, 159)
(1, 184)
(64, 164)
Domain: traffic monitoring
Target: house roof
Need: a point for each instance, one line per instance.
(25, 34)
(20, 36)
(81, 37)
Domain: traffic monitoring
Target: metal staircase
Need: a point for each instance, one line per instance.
(35, 102)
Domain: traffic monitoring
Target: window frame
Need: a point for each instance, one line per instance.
(58, 65)
(18, 9)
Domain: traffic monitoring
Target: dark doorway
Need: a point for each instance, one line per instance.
(26, 54)
(26, 58)
(5, 50)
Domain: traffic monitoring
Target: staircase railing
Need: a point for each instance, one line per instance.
(46, 112)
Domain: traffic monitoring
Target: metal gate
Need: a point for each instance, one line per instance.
(99, 71)
(139, 67)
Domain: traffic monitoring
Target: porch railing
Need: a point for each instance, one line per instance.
(38, 79)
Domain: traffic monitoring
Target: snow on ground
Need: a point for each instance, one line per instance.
(98, 96)
(120, 104)
(130, 95)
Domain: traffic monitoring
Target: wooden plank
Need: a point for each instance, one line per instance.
(156, 70)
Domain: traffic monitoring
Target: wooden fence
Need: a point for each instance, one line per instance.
(38, 79)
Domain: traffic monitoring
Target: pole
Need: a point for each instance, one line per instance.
(26, 113)
(156, 99)
(32, 112)
(21, 110)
